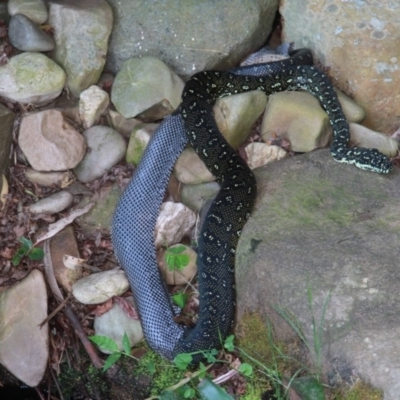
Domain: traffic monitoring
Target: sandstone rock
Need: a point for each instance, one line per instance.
(60, 179)
(92, 105)
(236, 114)
(81, 31)
(49, 142)
(297, 117)
(173, 223)
(259, 154)
(359, 42)
(178, 275)
(23, 342)
(364, 137)
(64, 243)
(121, 124)
(31, 78)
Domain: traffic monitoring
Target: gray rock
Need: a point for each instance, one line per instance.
(7, 118)
(115, 323)
(106, 148)
(26, 36)
(189, 36)
(52, 204)
(35, 10)
(23, 341)
(49, 142)
(81, 32)
(143, 82)
(31, 78)
(195, 196)
(100, 216)
(328, 226)
(98, 288)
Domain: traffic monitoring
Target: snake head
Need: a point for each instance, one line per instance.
(371, 160)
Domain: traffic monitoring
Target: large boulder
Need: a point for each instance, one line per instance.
(329, 229)
(189, 36)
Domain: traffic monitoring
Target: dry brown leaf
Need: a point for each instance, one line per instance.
(63, 222)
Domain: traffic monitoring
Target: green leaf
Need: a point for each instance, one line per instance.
(228, 344)
(111, 360)
(189, 393)
(308, 388)
(105, 343)
(151, 367)
(182, 360)
(16, 260)
(210, 391)
(175, 260)
(210, 355)
(126, 344)
(203, 371)
(246, 369)
(26, 244)
(36, 254)
(180, 299)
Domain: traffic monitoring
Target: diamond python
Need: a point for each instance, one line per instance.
(136, 213)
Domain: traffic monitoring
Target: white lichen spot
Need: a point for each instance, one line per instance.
(338, 30)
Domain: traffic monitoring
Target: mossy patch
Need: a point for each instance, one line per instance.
(361, 391)
(163, 374)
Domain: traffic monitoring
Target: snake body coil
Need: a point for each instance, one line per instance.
(136, 214)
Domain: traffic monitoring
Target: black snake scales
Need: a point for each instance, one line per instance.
(136, 214)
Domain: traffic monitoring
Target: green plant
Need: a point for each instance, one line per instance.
(108, 344)
(27, 249)
(317, 326)
(180, 298)
(175, 258)
(182, 389)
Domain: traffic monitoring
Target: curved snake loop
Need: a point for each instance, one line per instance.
(136, 214)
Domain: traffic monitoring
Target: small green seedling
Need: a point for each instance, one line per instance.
(110, 345)
(175, 258)
(27, 249)
(180, 298)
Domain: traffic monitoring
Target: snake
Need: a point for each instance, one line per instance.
(135, 217)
